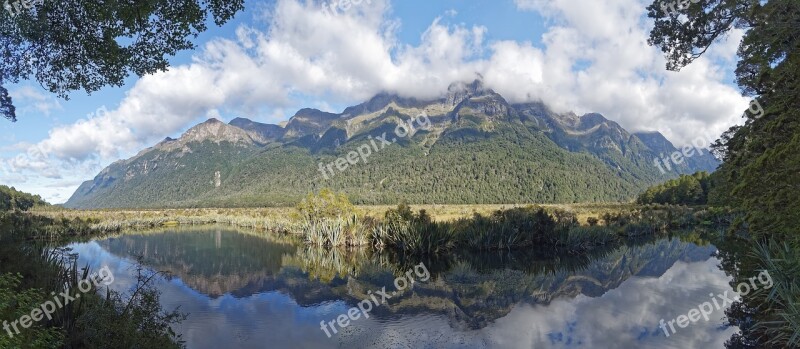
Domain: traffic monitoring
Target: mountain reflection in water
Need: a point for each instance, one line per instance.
(247, 290)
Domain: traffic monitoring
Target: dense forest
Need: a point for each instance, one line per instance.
(685, 190)
(465, 163)
(12, 199)
(760, 174)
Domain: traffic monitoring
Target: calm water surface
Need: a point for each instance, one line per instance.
(243, 290)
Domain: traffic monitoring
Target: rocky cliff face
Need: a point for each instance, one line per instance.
(215, 131)
(459, 92)
(309, 122)
(702, 160)
(472, 129)
(263, 133)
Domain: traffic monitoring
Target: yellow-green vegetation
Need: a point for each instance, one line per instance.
(328, 219)
(281, 218)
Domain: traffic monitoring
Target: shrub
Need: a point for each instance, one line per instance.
(414, 234)
(509, 229)
(581, 239)
(15, 303)
(327, 204)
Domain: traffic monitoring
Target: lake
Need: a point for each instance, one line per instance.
(244, 289)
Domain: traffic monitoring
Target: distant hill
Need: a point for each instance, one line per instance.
(478, 149)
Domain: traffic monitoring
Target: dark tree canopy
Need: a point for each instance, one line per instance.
(13, 199)
(772, 33)
(69, 45)
(761, 158)
(760, 173)
(685, 190)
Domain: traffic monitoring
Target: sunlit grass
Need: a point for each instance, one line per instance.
(458, 227)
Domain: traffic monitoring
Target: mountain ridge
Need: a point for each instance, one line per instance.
(497, 148)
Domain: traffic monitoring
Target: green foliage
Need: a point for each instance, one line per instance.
(685, 190)
(325, 205)
(72, 45)
(403, 231)
(410, 233)
(649, 221)
(782, 262)
(7, 108)
(336, 231)
(329, 219)
(507, 229)
(16, 302)
(513, 229)
(580, 239)
(12, 199)
(91, 321)
(130, 320)
(513, 164)
(760, 158)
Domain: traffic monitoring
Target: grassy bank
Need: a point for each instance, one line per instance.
(32, 271)
(113, 220)
(327, 223)
(329, 220)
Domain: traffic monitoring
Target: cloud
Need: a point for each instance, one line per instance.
(592, 58)
(30, 99)
(631, 312)
(596, 59)
(304, 52)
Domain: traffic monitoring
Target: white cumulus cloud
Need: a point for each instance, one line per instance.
(593, 57)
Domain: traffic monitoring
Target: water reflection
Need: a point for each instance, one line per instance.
(245, 290)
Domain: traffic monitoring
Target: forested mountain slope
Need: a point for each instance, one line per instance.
(471, 146)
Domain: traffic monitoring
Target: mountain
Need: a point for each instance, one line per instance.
(468, 146)
(264, 133)
(663, 147)
(218, 262)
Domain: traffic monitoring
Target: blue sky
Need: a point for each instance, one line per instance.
(279, 56)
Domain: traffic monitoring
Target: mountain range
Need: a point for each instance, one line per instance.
(476, 148)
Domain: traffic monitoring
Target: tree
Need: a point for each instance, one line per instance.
(684, 190)
(761, 158)
(760, 173)
(13, 199)
(69, 45)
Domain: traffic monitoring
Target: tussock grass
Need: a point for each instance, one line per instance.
(778, 318)
(328, 220)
